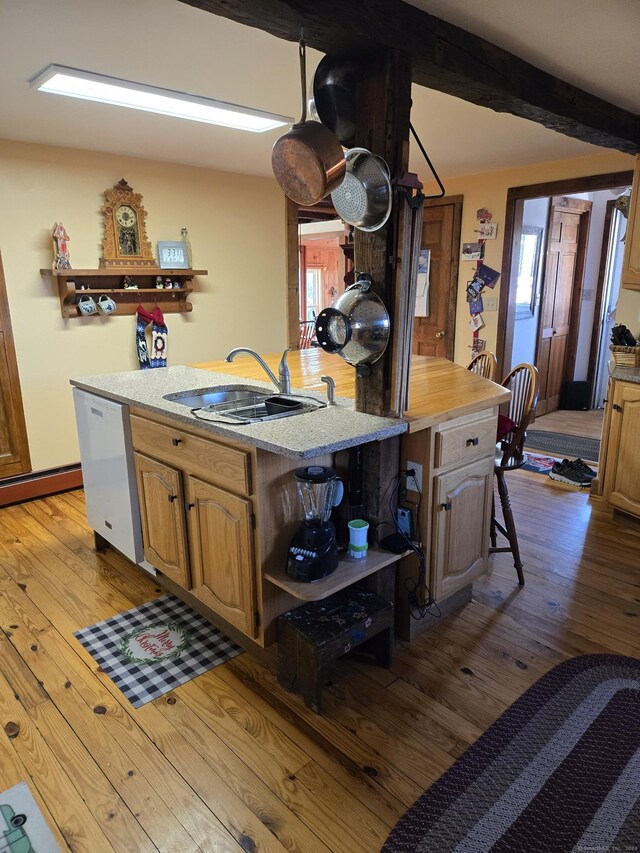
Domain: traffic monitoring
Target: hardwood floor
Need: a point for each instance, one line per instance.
(230, 761)
(587, 424)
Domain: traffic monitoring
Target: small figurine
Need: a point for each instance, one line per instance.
(159, 284)
(62, 261)
(187, 243)
(167, 284)
(128, 283)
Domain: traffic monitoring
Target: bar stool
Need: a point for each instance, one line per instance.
(522, 381)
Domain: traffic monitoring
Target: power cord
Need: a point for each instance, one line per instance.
(419, 595)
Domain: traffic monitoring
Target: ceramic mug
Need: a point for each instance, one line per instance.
(86, 305)
(106, 305)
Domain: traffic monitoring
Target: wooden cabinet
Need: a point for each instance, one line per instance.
(109, 282)
(454, 513)
(622, 461)
(461, 515)
(220, 533)
(195, 529)
(630, 276)
(162, 514)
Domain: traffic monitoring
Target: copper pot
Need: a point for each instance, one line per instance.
(308, 161)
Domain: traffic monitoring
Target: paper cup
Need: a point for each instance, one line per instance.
(358, 530)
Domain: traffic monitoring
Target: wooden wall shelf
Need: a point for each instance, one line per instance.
(109, 281)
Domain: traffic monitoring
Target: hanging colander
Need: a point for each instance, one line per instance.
(364, 197)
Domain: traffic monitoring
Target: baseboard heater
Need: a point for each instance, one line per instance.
(39, 484)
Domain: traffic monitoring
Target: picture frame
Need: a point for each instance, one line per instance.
(173, 255)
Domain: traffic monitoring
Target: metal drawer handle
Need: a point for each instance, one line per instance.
(473, 442)
(176, 441)
(189, 506)
(172, 498)
(447, 506)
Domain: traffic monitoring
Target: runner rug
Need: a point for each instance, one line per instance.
(559, 771)
(563, 444)
(152, 649)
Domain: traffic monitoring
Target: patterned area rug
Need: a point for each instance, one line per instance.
(152, 649)
(559, 771)
(563, 444)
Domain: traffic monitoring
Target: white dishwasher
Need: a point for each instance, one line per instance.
(108, 473)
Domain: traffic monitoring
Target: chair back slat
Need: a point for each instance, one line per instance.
(484, 364)
(307, 333)
(522, 381)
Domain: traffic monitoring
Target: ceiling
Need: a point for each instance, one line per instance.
(169, 44)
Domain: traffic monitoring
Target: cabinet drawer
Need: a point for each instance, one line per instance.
(216, 463)
(466, 442)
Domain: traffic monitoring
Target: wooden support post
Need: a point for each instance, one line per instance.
(384, 96)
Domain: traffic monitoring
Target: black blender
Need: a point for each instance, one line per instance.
(313, 553)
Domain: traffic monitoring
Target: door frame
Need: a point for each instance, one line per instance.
(568, 186)
(599, 295)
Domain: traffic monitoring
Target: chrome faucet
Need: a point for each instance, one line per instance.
(331, 389)
(283, 382)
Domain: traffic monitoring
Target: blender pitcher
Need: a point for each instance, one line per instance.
(313, 553)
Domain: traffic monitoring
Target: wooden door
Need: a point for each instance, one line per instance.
(435, 334)
(461, 516)
(14, 448)
(622, 467)
(222, 562)
(559, 310)
(162, 513)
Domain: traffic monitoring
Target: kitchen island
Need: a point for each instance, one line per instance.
(219, 503)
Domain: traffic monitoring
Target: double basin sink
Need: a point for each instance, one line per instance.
(242, 404)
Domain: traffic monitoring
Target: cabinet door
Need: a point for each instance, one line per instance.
(622, 479)
(162, 512)
(222, 562)
(461, 517)
(630, 275)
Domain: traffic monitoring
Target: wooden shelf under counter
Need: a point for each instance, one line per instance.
(349, 571)
(109, 281)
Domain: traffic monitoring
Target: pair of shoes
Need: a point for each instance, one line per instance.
(569, 472)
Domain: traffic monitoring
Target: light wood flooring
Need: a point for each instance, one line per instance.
(587, 424)
(230, 761)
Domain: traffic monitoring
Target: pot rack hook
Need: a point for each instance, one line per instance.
(430, 164)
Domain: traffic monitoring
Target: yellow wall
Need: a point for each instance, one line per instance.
(489, 190)
(236, 228)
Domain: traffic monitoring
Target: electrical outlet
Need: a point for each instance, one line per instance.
(411, 486)
(490, 303)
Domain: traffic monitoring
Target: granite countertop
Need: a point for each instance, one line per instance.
(303, 436)
(624, 373)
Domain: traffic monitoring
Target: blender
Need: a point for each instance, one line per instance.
(313, 553)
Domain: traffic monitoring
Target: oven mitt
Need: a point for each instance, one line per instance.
(143, 318)
(159, 334)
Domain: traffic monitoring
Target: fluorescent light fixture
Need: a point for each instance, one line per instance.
(58, 80)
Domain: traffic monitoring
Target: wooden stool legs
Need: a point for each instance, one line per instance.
(510, 531)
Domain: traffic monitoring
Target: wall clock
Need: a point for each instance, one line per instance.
(125, 241)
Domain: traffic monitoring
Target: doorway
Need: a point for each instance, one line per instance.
(553, 236)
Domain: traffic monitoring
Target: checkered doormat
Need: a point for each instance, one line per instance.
(152, 649)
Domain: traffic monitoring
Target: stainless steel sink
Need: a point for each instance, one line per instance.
(242, 404)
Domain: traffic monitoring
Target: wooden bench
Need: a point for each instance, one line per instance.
(312, 637)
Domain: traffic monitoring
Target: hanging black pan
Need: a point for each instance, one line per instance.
(334, 97)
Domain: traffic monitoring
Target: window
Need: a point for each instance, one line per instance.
(528, 266)
(313, 293)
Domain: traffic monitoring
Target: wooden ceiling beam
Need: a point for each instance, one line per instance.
(443, 57)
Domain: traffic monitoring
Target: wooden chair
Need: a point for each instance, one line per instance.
(307, 333)
(484, 364)
(522, 381)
